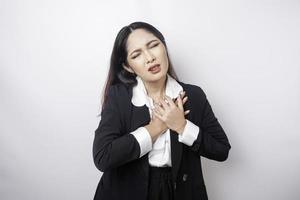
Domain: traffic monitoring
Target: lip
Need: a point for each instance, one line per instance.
(150, 68)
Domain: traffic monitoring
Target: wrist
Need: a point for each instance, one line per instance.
(154, 131)
(181, 128)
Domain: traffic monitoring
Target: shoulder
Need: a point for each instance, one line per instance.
(119, 90)
(120, 94)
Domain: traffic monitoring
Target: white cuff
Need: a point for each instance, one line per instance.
(189, 134)
(144, 139)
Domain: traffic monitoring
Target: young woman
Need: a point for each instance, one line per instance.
(153, 128)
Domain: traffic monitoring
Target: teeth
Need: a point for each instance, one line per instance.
(152, 68)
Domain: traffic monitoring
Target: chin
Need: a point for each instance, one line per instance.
(157, 77)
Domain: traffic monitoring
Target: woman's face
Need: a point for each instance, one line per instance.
(144, 51)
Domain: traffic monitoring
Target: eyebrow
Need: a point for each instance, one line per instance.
(146, 44)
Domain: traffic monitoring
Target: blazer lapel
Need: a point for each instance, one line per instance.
(176, 146)
(176, 153)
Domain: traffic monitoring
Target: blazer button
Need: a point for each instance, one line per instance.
(184, 177)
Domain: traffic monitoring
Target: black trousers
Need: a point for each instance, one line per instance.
(160, 184)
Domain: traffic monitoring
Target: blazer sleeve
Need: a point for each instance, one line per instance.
(211, 141)
(111, 147)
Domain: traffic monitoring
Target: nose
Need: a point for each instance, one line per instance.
(149, 57)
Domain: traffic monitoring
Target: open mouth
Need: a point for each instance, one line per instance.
(154, 68)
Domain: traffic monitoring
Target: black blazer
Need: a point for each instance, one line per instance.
(116, 152)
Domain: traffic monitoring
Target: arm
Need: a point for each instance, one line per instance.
(111, 147)
(211, 141)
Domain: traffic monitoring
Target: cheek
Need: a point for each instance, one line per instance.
(162, 53)
(137, 65)
(163, 56)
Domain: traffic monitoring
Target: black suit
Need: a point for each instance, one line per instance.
(116, 152)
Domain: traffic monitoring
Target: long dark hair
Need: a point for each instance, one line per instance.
(116, 73)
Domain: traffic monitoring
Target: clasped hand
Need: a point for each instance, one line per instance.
(171, 113)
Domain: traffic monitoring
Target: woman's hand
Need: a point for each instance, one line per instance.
(172, 113)
(156, 127)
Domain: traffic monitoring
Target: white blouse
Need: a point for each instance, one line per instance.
(160, 151)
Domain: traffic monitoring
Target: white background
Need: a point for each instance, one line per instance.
(54, 58)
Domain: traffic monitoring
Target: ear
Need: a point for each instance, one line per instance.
(127, 68)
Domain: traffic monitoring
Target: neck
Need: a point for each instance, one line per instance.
(156, 90)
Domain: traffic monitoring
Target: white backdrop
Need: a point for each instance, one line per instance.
(54, 58)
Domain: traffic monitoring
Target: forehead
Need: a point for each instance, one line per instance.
(139, 38)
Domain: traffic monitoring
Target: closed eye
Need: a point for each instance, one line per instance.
(135, 56)
(150, 47)
(155, 45)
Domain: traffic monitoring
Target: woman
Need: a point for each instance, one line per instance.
(153, 128)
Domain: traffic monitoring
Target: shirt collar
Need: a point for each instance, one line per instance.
(139, 93)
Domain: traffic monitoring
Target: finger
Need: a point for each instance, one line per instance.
(157, 104)
(186, 112)
(180, 105)
(159, 108)
(157, 115)
(176, 102)
(181, 95)
(169, 99)
(184, 100)
(154, 111)
(164, 104)
(152, 114)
